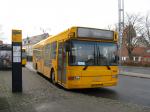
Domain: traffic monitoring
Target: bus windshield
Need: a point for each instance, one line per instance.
(85, 53)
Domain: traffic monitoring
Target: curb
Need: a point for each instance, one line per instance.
(28, 66)
(135, 75)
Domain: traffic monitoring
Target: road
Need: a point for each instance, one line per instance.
(129, 89)
(39, 95)
(142, 70)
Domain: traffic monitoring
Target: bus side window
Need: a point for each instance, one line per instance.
(47, 55)
(53, 50)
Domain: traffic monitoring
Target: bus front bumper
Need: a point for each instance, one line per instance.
(92, 85)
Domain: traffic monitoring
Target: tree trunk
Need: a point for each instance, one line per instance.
(130, 55)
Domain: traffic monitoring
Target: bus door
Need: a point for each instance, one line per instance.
(61, 63)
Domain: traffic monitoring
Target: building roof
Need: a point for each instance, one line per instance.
(35, 39)
(138, 51)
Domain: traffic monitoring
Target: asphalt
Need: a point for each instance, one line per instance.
(132, 87)
(39, 95)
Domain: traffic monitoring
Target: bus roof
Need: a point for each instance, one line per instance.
(65, 35)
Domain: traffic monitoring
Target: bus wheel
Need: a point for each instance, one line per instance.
(53, 77)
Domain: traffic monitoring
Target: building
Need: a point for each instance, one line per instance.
(140, 55)
(28, 42)
(5, 56)
(1, 42)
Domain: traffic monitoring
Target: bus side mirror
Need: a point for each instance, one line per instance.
(117, 58)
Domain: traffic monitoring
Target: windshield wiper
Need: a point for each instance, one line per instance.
(85, 67)
(108, 67)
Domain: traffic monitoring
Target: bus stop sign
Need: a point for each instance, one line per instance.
(16, 61)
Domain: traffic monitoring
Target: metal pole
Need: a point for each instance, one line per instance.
(121, 26)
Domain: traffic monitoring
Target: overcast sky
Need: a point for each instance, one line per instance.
(55, 16)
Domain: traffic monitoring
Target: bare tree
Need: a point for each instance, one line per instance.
(146, 31)
(133, 27)
(109, 27)
(112, 27)
(45, 30)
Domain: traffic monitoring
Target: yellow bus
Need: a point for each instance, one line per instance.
(79, 57)
(24, 57)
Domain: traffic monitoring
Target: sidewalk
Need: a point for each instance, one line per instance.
(132, 74)
(29, 66)
(39, 95)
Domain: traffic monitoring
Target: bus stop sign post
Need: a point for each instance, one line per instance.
(16, 61)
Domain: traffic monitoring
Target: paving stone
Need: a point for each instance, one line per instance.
(39, 95)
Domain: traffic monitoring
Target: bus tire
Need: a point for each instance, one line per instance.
(53, 77)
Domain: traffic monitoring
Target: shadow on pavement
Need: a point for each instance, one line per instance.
(98, 92)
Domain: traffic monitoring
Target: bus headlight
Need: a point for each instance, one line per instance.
(74, 78)
(114, 76)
